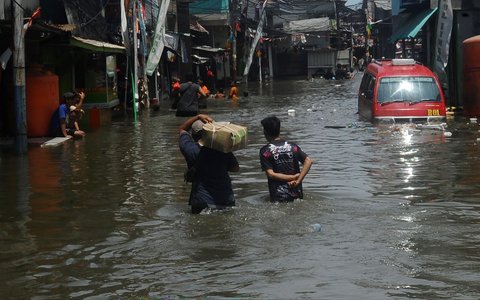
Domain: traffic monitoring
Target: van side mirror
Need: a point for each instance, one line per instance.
(368, 94)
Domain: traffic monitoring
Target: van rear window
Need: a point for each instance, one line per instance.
(408, 89)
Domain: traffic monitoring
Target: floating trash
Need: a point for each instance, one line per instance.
(431, 126)
(315, 227)
(447, 134)
(291, 112)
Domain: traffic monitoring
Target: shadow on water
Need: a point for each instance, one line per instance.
(107, 216)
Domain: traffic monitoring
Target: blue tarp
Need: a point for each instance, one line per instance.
(209, 7)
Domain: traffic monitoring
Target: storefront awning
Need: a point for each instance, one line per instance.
(412, 25)
(198, 27)
(208, 49)
(97, 46)
(198, 60)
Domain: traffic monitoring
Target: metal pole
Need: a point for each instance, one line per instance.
(126, 85)
(106, 78)
(270, 60)
(260, 67)
(233, 13)
(135, 62)
(155, 74)
(21, 142)
(245, 48)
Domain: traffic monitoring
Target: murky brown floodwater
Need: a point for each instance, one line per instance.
(107, 216)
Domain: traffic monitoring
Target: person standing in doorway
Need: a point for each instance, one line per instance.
(281, 160)
(210, 79)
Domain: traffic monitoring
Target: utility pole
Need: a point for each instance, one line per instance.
(370, 14)
(233, 18)
(259, 54)
(135, 61)
(21, 142)
(245, 35)
(183, 23)
(336, 16)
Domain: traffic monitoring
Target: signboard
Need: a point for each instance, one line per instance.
(158, 40)
(442, 41)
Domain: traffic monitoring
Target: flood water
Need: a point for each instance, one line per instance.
(106, 217)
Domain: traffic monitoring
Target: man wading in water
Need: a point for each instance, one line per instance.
(207, 168)
(187, 106)
(281, 160)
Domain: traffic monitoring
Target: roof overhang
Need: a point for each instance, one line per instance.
(97, 46)
(198, 60)
(209, 49)
(308, 25)
(412, 25)
(213, 19)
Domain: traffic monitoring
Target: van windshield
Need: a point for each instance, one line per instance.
(408, 89)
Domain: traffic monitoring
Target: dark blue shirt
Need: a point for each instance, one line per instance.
(61, 113)
(212, 186)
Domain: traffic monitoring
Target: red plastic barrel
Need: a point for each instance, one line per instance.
(42, 100)
(471, 77)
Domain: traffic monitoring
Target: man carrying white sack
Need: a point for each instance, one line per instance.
(207, 168)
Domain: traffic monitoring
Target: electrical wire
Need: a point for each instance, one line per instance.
(23, 8)
(91, 18)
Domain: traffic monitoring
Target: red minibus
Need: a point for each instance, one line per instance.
(400, 89)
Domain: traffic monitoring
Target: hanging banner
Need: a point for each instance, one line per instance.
(123, 20)
(257, 37)
(158, 42)
(143, 30)
(184, 51)
(171, 41)
(442, 42)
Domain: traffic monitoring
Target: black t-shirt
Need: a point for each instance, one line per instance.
(282, 157)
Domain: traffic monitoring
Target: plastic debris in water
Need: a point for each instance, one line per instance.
(315, 227)
(447, 134)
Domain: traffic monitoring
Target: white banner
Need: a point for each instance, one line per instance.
(442, 42)
(123, 19)
(158, 40)
(257, 37)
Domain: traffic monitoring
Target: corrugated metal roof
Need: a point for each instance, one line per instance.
(308, 25)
